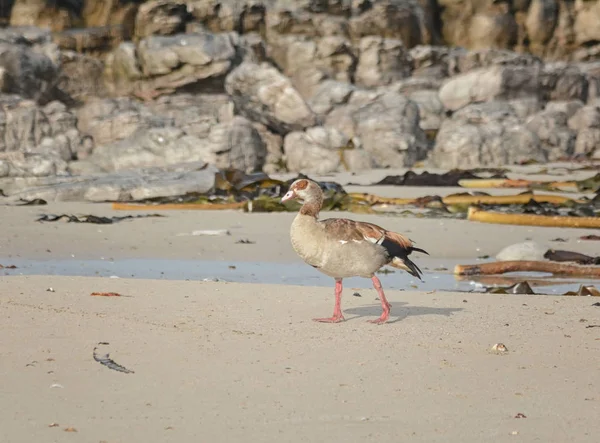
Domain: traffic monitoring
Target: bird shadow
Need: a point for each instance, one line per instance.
(399, 311)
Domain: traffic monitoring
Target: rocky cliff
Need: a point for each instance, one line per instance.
(96, 87)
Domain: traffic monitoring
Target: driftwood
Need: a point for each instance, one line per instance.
(475, 214)
(502, 267)
(512, 183)
(519, 199)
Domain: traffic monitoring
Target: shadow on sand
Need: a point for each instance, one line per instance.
(399, 311)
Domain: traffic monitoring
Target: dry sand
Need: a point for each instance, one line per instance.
(228, 362)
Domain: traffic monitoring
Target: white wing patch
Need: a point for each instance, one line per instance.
(343, 242)
(377, 241)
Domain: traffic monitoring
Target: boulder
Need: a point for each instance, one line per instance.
(493, 83)
(196, 114)
(586, 123)
(23, 164)
(110, 120)
(321, 150)
(274, 161)
(478, 24)
(125, 186)
(233, 144)
(308, 61)
(555, 137)
(262, 94)
(49, 130)
(81, 76)
(330, 94)
(381, 61)
(431, 110)
(386, 124)
(485, 135)
(98, 40)
(27, 73)
(241, 16)
(170, 63)
(160, 17)
(404, 20)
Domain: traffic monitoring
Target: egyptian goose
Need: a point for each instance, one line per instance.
(343, 248)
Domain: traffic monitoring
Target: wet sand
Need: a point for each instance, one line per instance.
(217, 361)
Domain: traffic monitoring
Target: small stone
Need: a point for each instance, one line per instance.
(499, 348)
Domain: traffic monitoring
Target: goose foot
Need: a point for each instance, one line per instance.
(381, 320)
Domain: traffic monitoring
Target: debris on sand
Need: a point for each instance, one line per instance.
(105, 360)
(91, 218)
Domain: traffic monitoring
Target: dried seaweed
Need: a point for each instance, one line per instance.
(569, 256)
(450, 178)
(518, 288)
(105, 360)
(257, 192)
(585, 291)
(91, 218)
(8, 267)
(590, 237)
(34, 202)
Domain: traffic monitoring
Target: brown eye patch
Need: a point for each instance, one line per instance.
(302, 184)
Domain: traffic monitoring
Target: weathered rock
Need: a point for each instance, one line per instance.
(125, 185)
(198, 56)
(236, 144)
(555, 137)
(89, 40)
(486, 84)
(23, 164)
(559, 81)
(81, 76)
(43, 14)
(30, 129)
(399, 19)
(387, 125)
(309, 61)
(381, 61)
(240, 16)
(110, 120)
(263, 94)
(25, 35)
(27, 73)
(291, 20)
(586, 122)
(540, 22)
(460, 60)
(431, 61)
(321, 150)
(160, 17)
(414, 84)
(328, 95)
(274, 143)
(233, 144)
(431, 110)
(196, 114)
(569, 107)
(486, 134)
(170, 63)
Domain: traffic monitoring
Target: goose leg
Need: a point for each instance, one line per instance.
(337, 310)
(384, 303)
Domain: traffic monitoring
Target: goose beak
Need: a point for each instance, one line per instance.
(290, 194)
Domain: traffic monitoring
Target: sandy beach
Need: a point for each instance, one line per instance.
(222, 361)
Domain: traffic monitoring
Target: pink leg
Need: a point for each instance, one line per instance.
(337, 310)
(384, 303)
